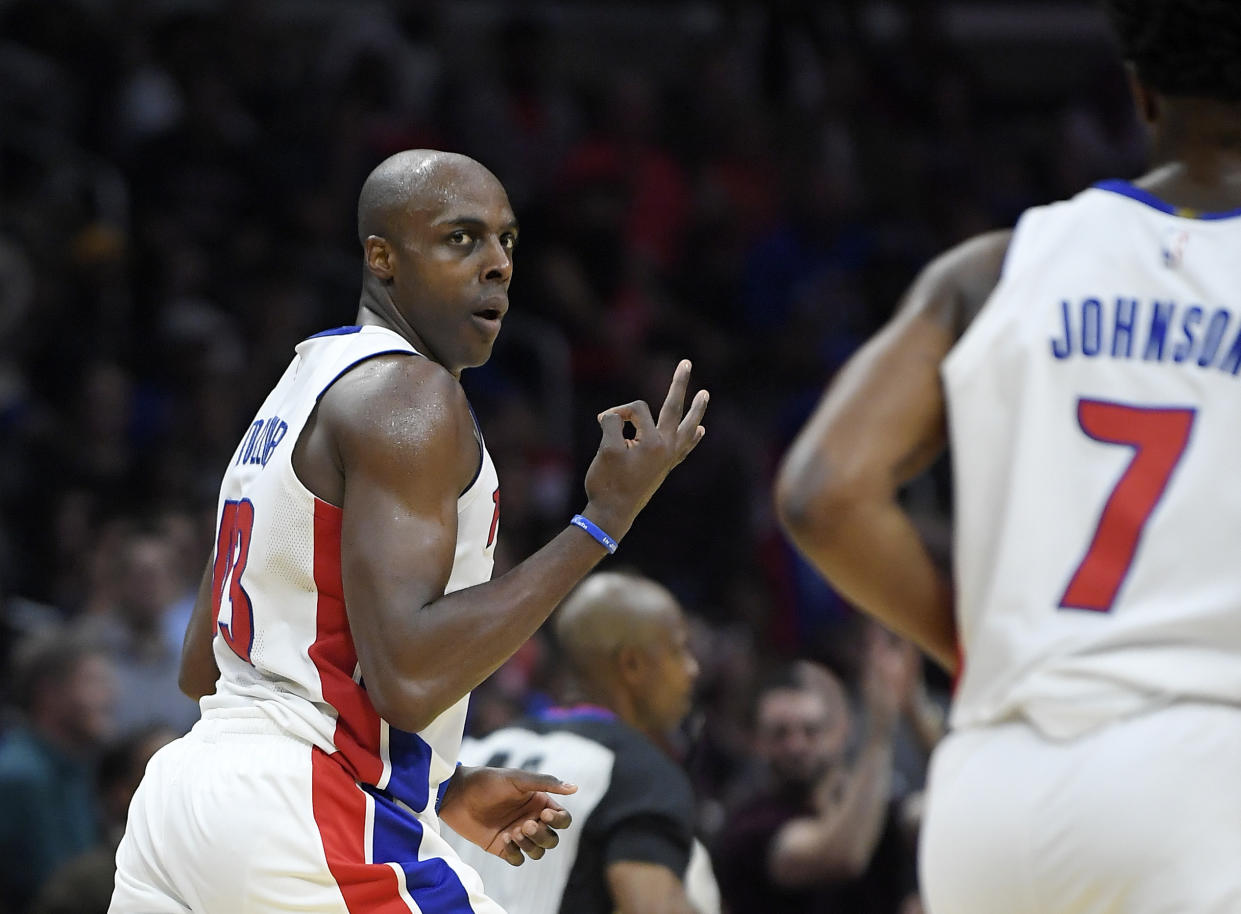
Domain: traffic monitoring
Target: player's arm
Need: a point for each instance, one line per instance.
(646, 888)
(198, 667)
(406, 447)
(881, 423)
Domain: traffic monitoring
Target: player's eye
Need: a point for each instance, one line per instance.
(460, 236)
(509, 241)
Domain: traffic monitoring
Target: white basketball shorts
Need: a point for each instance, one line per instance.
(1142, 816)
(239, 818)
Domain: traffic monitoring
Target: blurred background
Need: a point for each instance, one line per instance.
(751, 185)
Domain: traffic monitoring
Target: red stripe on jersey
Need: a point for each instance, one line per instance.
(334, 655)
(339, 807)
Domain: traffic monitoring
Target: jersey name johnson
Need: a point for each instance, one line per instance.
(1126, 327)
(1092, 407)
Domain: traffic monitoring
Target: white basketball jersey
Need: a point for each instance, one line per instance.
(1094, 410)
(282, 639)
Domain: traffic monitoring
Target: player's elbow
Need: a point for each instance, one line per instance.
(198, 673)
(404, 703)
(194, 685)
(812, 500)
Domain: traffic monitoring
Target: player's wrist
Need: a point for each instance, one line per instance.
(452, 788)
(614, 524)
(595, 532)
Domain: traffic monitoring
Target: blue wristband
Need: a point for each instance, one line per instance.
(593, 529)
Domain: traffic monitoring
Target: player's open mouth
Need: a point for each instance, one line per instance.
(490, 314)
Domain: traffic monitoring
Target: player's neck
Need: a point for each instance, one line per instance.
(376, 308)
(1196, 156)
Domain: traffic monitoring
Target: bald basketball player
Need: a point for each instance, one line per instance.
(631, 850)
(348, 610)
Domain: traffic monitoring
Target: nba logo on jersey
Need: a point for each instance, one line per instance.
(1174, 242)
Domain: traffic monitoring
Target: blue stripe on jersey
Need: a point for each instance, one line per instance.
(411, 768)
(1124, 188)
(478, 436)
(443, 789)
(396, 838)
(336, 331)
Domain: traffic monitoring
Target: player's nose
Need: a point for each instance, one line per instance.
(497, 263)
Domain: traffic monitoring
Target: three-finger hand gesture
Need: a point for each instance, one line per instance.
(626, 471)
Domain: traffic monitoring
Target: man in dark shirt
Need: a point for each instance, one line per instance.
(823, 837)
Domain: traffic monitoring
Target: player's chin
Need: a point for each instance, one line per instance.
(477, 351)
(472, 357)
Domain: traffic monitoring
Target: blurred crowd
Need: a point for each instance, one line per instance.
(747, 184)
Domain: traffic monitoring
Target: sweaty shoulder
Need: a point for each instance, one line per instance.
(952, 289)
(399, 414)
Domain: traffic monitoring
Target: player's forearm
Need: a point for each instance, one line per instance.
(198, 673)
(871, 552)
(455, 642)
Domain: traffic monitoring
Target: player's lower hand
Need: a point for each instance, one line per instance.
(533, 837)
(506, 811)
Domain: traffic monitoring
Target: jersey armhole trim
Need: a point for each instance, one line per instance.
(319, 397)
(478, 437)
(354, 364)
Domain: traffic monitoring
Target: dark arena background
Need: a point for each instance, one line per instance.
(750, 185)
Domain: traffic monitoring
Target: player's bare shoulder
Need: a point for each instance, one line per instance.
(396, 409)
(953, 287)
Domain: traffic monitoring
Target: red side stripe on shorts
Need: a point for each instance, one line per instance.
(334, 655)
(340, 813)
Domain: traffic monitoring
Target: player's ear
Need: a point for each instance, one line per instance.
(1145, 99)
(379, 257)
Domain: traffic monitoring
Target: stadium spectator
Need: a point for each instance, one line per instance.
(825, 834)
(64, 691)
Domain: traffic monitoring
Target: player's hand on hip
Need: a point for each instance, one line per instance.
(626, 472)
(506, 811)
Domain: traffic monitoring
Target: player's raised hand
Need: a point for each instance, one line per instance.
(626, 471)
(506, 811)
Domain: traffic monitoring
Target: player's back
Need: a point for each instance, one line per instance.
(1093, 408)
(285, 649)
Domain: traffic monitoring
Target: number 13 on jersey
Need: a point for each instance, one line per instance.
(232, 548)
(1158, 436)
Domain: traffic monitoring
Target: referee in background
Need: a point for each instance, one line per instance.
(631, 848)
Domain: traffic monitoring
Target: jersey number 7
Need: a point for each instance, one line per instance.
(232, 548)
(1158, 436)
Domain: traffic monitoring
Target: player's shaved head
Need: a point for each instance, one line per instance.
(609, 611)
(411, 180)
